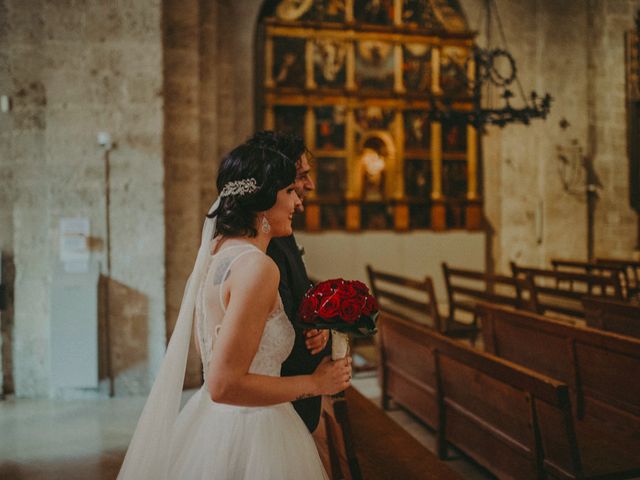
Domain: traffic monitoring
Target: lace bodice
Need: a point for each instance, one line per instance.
(278, 336)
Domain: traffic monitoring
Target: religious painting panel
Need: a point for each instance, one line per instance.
(329, 10)
(417, 130)
(373, 159)
(292, 10)
(289, 62)
(453, 71)
(417, 178)
(377, 12)
(449, 15)
(330, 127)
(376, 216)
(374, 65)
(332, 216)
(454, 178)
(419, 215)
(456, 213)
(454, 136)
(331, 177)
(372, 118)
(419, 13)
(290, 119)
(329, 63)
(416, 69)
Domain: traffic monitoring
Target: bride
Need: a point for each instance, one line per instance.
(240, 424)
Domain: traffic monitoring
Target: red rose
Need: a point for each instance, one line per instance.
(350, 310)
(370, 306)
(323, 288)
(329, 308)
(335, 283)
(360, 287)
(346, 291)
(308, 308)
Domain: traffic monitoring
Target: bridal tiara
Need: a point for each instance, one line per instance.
(239, 187)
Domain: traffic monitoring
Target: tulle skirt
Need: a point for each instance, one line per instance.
(224, 442)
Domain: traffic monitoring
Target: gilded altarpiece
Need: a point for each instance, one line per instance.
(358, 80)
(632, 63)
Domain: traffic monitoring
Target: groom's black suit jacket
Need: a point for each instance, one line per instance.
(294, 282)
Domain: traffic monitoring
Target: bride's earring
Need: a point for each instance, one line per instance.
(266, 226)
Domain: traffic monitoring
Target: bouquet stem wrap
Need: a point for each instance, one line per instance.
(339, 344)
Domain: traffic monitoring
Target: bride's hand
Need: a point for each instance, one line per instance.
(331, 376)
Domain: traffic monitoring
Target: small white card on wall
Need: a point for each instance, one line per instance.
(74, 244)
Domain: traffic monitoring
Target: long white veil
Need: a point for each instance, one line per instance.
(148, 456)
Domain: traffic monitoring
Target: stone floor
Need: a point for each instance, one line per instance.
(86, 439)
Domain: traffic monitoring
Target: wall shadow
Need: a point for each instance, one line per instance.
(123, 337)
(7, 323)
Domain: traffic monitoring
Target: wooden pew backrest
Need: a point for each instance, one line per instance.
(465, 287)
(632, 267)
(515, 422)
(406, 297)
(599, 367)
(561, 292)
(592, 268)
(613, 316)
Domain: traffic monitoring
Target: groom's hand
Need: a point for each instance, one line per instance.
(316, 340)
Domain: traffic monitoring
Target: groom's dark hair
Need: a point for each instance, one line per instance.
(289, 144)
(272, 171)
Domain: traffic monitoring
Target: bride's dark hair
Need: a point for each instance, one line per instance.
(272, 171)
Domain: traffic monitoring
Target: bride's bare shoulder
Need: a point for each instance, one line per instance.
(258, 269)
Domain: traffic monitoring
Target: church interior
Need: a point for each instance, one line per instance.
(476, 163)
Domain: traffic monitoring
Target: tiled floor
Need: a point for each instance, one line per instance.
(86, 439)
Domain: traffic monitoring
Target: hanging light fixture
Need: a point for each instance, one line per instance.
(495, 73)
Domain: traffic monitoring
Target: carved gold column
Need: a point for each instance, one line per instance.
(311, 207)
(269, 118)
(438, 207)
(397, 12)
(268, 62)
(398, 84)
(348, 10)
(354, 177)
(435, 71)
(351, 65)
(354, 182)
(473, 217)
(311, 79)
(401, 210)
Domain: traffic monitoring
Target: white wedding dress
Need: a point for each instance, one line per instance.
(225, 442)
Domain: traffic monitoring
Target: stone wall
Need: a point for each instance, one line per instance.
(173, 82)
(616, 222)
(574, 51)
(73, 68)
(208, 110)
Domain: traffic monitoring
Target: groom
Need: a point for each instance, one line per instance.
(310, 345)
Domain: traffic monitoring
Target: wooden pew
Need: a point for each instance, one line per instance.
(561, 293)
(515, 422)
(601, 370)
(384, 450)
(613, 316)
(406, 297)
(465, 287)
(595, 269)
(415, 300)
(632, 268)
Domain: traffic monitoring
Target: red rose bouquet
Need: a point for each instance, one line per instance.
(343, 306)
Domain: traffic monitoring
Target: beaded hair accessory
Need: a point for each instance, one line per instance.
(239, 187)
